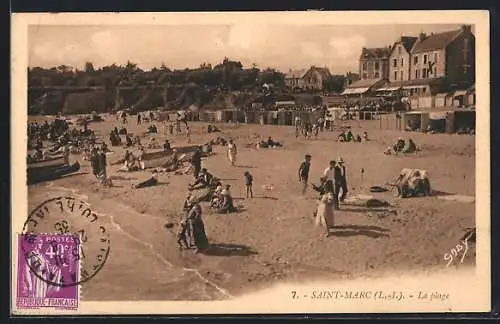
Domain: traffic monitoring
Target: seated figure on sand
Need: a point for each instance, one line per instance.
(128, 141)
(227, 202)
(166, 146)
(173, 163)
(202, 181)
(152, 143)
(270, 143)
(115, 139)
(207, 148)
(349, 137)
(122, 131)
(217, 198)
(152, 129)
(365, 136)
(212, 129)
(410, 147)
(399, 146)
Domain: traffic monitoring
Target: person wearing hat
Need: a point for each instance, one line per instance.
(340, 182)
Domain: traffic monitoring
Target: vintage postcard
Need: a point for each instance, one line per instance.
(250, 162)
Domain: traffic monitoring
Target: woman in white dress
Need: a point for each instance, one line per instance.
(231, 152)
(324, 213)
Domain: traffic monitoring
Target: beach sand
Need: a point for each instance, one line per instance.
(274, 240)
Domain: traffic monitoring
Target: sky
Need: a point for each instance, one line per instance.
(277, 46)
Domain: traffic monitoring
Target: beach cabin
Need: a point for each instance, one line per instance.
(285, 117)
(460, 119)
(219, 116)
(285, 104)
(437, 121)
(417, 120)
(250, 117)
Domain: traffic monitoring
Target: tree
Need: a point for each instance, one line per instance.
(64, 68)
(89, 67)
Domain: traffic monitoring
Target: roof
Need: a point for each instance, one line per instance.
(407, 42)
(375, 53)
(295, 74)
(325, 73)
(366, 83)
(435, 41)
(416, 82)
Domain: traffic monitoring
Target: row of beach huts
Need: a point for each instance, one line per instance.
(449, 121)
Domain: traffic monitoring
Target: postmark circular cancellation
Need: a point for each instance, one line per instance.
(64, 244)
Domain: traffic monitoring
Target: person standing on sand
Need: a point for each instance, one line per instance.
(248, 183)
(138, 119)
(196, 163)
(329, 174)
(304, 172)
(66, 154)
(188, 135)
(195, 218)
(340, 182)
(94, 162)
(324, 216)
(232, 152)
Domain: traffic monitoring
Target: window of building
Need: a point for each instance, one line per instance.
(376, 65)
(377, 75)
(395, 75)
(402, 61)
(417, 74)
(399, 50)
(415, 59)
(424, 90)
(364, 66)
(365, 76)
(436, 57)
(402, 78)
(395, 63)
(425, 58)
(424, 73)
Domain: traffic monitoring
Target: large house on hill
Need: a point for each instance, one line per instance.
(374, 63)
(437, 63)
(312, 79)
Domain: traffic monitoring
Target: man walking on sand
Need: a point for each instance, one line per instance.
(340, 182)
(304, 172)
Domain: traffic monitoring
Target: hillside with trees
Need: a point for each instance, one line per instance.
(68, 90)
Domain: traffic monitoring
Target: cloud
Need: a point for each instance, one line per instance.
(311, 50)
(347, 47)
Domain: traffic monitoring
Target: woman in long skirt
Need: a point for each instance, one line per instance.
(324, 213)
(231, 152)
(198, 227)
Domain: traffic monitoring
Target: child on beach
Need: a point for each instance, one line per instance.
(248, 183)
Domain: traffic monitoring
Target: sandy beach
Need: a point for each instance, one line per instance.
(273, 239)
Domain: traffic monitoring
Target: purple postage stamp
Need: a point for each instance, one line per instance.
(46, 264)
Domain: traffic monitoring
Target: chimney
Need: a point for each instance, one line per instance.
(466, 28)
(422, 36)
